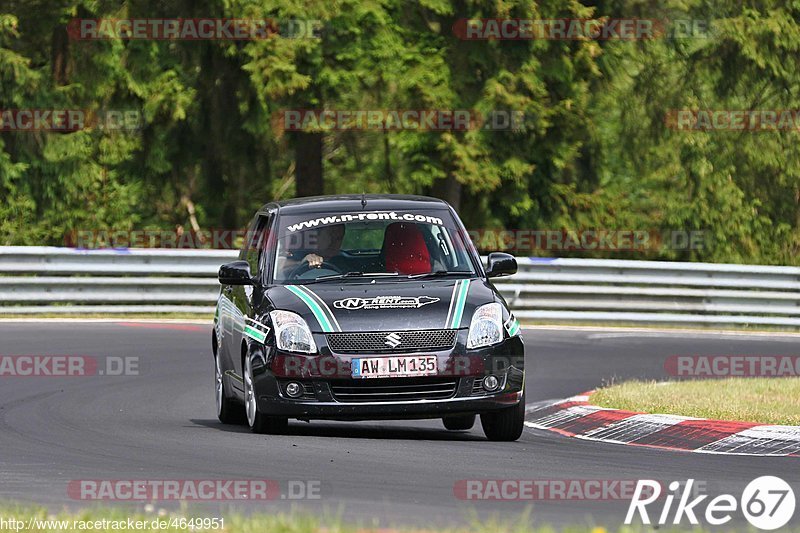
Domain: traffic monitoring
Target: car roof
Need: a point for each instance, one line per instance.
(353, 202)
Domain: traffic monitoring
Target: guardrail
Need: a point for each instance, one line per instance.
(63, 280)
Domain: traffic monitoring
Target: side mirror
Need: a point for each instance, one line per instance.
(235, 273)
(501, 264)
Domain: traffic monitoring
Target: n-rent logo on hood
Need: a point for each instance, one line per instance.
(385, 302)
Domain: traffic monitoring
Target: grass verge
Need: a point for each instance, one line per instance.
(760, 400)
(18, 519)
(33, 519)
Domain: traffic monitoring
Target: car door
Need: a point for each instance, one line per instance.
(242, 297)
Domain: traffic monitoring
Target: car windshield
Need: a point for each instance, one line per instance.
(393, 245)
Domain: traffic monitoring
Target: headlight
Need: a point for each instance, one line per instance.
(486, 327)
(292, 333)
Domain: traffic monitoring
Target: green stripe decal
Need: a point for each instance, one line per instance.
(323, 306)
(315, 309)
(255, 334)
(255, 330)
(512, 325)
(461, 299)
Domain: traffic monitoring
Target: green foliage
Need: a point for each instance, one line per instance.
(592, 151)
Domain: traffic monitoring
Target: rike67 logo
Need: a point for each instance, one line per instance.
(767, 502)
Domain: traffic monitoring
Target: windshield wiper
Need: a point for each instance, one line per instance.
(351, 275)
(439, 274)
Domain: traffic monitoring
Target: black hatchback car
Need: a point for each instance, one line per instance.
(366, 307)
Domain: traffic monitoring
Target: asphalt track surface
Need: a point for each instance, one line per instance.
(161, 424)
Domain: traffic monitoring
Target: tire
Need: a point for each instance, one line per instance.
(228, 410)
(505, 425)
(459, 423)
(256, 420)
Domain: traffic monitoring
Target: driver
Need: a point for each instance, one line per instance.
(329, 245)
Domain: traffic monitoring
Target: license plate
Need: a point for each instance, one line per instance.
(397, 366)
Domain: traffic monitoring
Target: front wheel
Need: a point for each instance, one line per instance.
(459, 423)
(505, 424)
(258, 422)
(228, 411)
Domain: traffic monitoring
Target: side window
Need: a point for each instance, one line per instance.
(267, 243)
(243, 243)
(255, 244)
(443, 248)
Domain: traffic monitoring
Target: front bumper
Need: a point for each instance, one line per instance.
(322, 375)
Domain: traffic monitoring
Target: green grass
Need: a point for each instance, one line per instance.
(238, 523)
(284, 522)
(760, 400)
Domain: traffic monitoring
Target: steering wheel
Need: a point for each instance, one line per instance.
(305, 267)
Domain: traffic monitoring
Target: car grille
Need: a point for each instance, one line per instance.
(393, 389)
(392, 341)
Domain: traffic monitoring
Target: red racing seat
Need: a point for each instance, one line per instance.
(404, 250)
